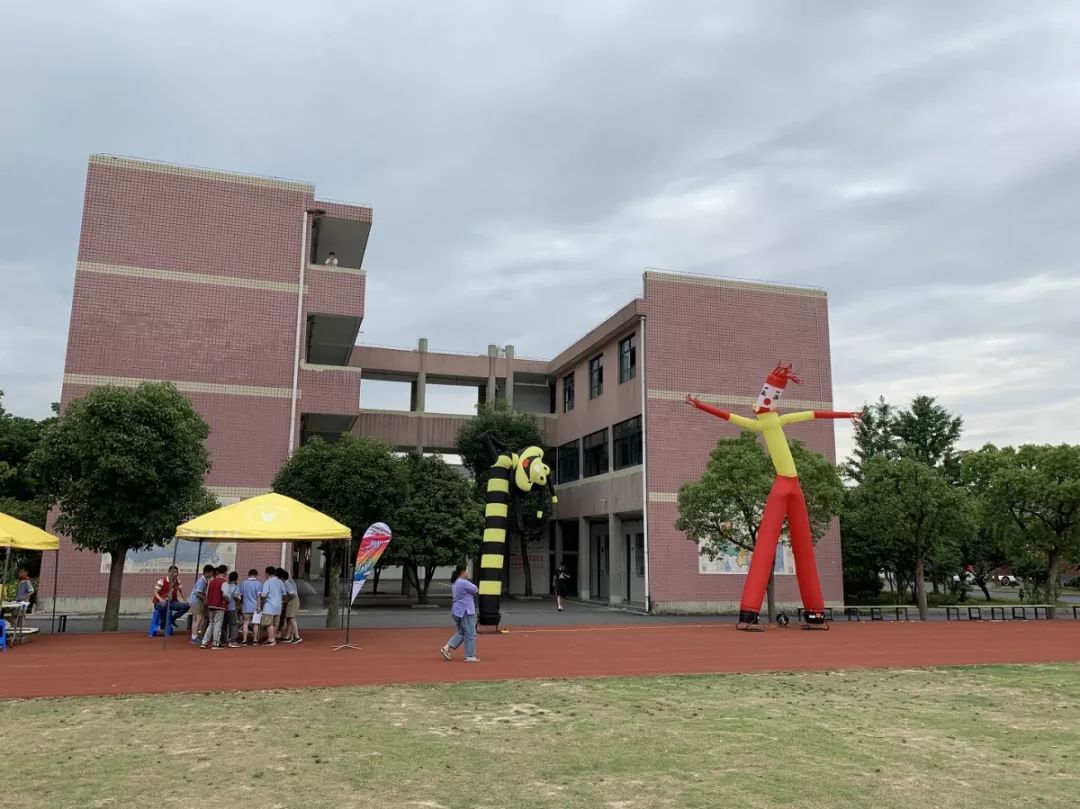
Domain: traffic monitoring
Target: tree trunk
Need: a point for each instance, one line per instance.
(920, 587)
(1053, 580)
(111, 621)
(335, 565)
(771, 598)
(525, 570)
(412, 572)
(429, 574)
(936, 590)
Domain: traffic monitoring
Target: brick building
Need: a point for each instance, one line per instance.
(218, 283)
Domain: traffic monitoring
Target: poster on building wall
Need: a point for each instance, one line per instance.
(739, 562)
(157, 560)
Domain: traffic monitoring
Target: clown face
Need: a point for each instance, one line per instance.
(769, 399)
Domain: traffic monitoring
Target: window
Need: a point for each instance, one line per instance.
(568, 393)
(626, 436)
(569, 467)
(595, 453)
(627, 359)
(596, 376)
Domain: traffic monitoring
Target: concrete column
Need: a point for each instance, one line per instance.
(616, 560)
(584, 558)
(510, 375)
(420, 392)
(493, 358)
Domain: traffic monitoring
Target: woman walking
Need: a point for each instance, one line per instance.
(562, 584)
(463, 612)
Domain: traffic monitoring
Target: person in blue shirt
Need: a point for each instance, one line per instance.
(463, 611)
(249, 598)
(270, 600)
(198, 603)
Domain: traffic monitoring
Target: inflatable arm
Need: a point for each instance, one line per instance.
(741, 421)
(810, 415)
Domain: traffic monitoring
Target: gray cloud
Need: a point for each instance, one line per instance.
(917, 160)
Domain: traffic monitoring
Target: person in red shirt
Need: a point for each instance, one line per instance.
(168, 597)
(217, 604)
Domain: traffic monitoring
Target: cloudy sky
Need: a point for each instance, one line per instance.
(919, 160)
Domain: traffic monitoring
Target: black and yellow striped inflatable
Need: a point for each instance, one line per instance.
(511, 473)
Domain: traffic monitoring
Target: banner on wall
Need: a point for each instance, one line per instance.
(157, 560)
(739, 562)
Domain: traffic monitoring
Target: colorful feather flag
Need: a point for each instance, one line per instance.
(375, 540)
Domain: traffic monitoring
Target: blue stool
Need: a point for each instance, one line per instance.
(3, 635)
(155, 624)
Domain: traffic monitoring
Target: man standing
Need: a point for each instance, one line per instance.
(250, 591)
(168, 598)
(216, 605)
(24, 592)
(198, 603)
(270, 601)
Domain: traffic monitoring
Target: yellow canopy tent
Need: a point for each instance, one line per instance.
(15, 533)
(266, 518)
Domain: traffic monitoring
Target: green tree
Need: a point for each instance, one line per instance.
(440, 522)
(125, 466)
(517, 429)
(929, 433)
(875, 435)
(985, 549)
(357, 481)
(21, 492)
(1036, 490)
(722, 510)
(912, 512)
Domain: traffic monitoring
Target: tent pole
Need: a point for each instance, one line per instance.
(56, 579)
(7, 558)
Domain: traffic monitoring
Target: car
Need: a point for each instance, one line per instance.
(1009, 580)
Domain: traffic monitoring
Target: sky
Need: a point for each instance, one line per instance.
(920, 161)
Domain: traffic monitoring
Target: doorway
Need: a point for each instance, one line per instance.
(600, 567)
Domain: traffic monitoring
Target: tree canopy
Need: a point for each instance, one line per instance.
(913, 515)
(1035, 492)
(357, 481)
(125, 466)
(722, 510)
(439, 523)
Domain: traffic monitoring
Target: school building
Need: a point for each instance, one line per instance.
(218, 283)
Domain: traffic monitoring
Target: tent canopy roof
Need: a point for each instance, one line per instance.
(267, 518)
(24, 536)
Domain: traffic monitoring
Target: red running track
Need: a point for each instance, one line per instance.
(97, 664)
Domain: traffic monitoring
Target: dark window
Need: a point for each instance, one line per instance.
(569, 467)
(639, 554)
(627, 359)
(626, 436)
(596, 376)
(568, 393)
(551, 397)
(594, 453)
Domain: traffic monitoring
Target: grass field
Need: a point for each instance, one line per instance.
(1001, 736)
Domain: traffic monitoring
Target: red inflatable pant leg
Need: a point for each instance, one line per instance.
(761, 563)
(802, 547)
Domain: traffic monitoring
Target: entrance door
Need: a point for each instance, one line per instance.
(628, 557)
(600, 567)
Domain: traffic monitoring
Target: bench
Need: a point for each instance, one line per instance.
(1020, 613)
(20, 635)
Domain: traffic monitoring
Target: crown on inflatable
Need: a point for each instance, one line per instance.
(780, 376)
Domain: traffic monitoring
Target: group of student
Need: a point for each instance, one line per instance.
(229, 613)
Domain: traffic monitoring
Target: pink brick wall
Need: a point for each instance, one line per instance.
(160, 218)
(723, 341)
